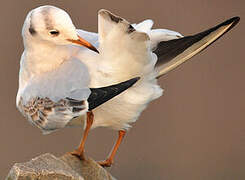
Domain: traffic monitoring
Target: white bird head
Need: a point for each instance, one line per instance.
(51, 25)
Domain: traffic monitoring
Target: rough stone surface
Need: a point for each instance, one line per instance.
(89, 169)
(67, 167)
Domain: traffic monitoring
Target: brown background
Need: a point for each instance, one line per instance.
(195, 131)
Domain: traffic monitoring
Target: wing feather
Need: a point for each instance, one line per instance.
(174, 52)
(48, 115)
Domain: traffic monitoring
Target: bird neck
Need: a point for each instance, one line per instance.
(41, 58)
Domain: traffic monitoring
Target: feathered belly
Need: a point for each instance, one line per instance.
(124, 109)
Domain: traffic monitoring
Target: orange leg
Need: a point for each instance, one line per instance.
(80, 151)
(109, 161)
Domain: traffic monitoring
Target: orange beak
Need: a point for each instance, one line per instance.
(83, 42)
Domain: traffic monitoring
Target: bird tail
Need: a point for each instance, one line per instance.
(99, 96)
(174, 52)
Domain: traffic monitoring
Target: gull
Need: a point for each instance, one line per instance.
(124, 51)
(54, 85)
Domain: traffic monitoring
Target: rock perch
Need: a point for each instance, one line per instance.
(49, 167)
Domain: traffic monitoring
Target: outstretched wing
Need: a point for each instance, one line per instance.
(174, 52)
(171, 48)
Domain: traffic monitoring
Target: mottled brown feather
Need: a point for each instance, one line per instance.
(38, 110)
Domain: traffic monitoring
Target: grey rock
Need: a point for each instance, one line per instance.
(67, 167)
(88, 169)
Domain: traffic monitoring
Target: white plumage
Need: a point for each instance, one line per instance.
(53, 82)
(46, 68)
(125, 51)
(124, 55)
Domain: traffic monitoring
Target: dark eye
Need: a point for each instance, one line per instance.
(54, 32)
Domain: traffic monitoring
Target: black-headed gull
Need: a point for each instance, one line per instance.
(125, 51)
(54, 85)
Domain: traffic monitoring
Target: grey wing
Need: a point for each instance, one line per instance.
(174, 52)
(71, 80)
(52, 99)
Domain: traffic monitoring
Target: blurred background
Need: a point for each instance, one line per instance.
(196, 130)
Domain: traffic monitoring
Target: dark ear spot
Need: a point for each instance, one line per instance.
(32, 31)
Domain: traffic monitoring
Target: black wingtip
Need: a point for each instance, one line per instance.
(168, 50)
(233, 21)
(99, 96)
(236, 18)
(134, 80)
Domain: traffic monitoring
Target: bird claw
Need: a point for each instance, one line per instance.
(78, 154)
(106, 163)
